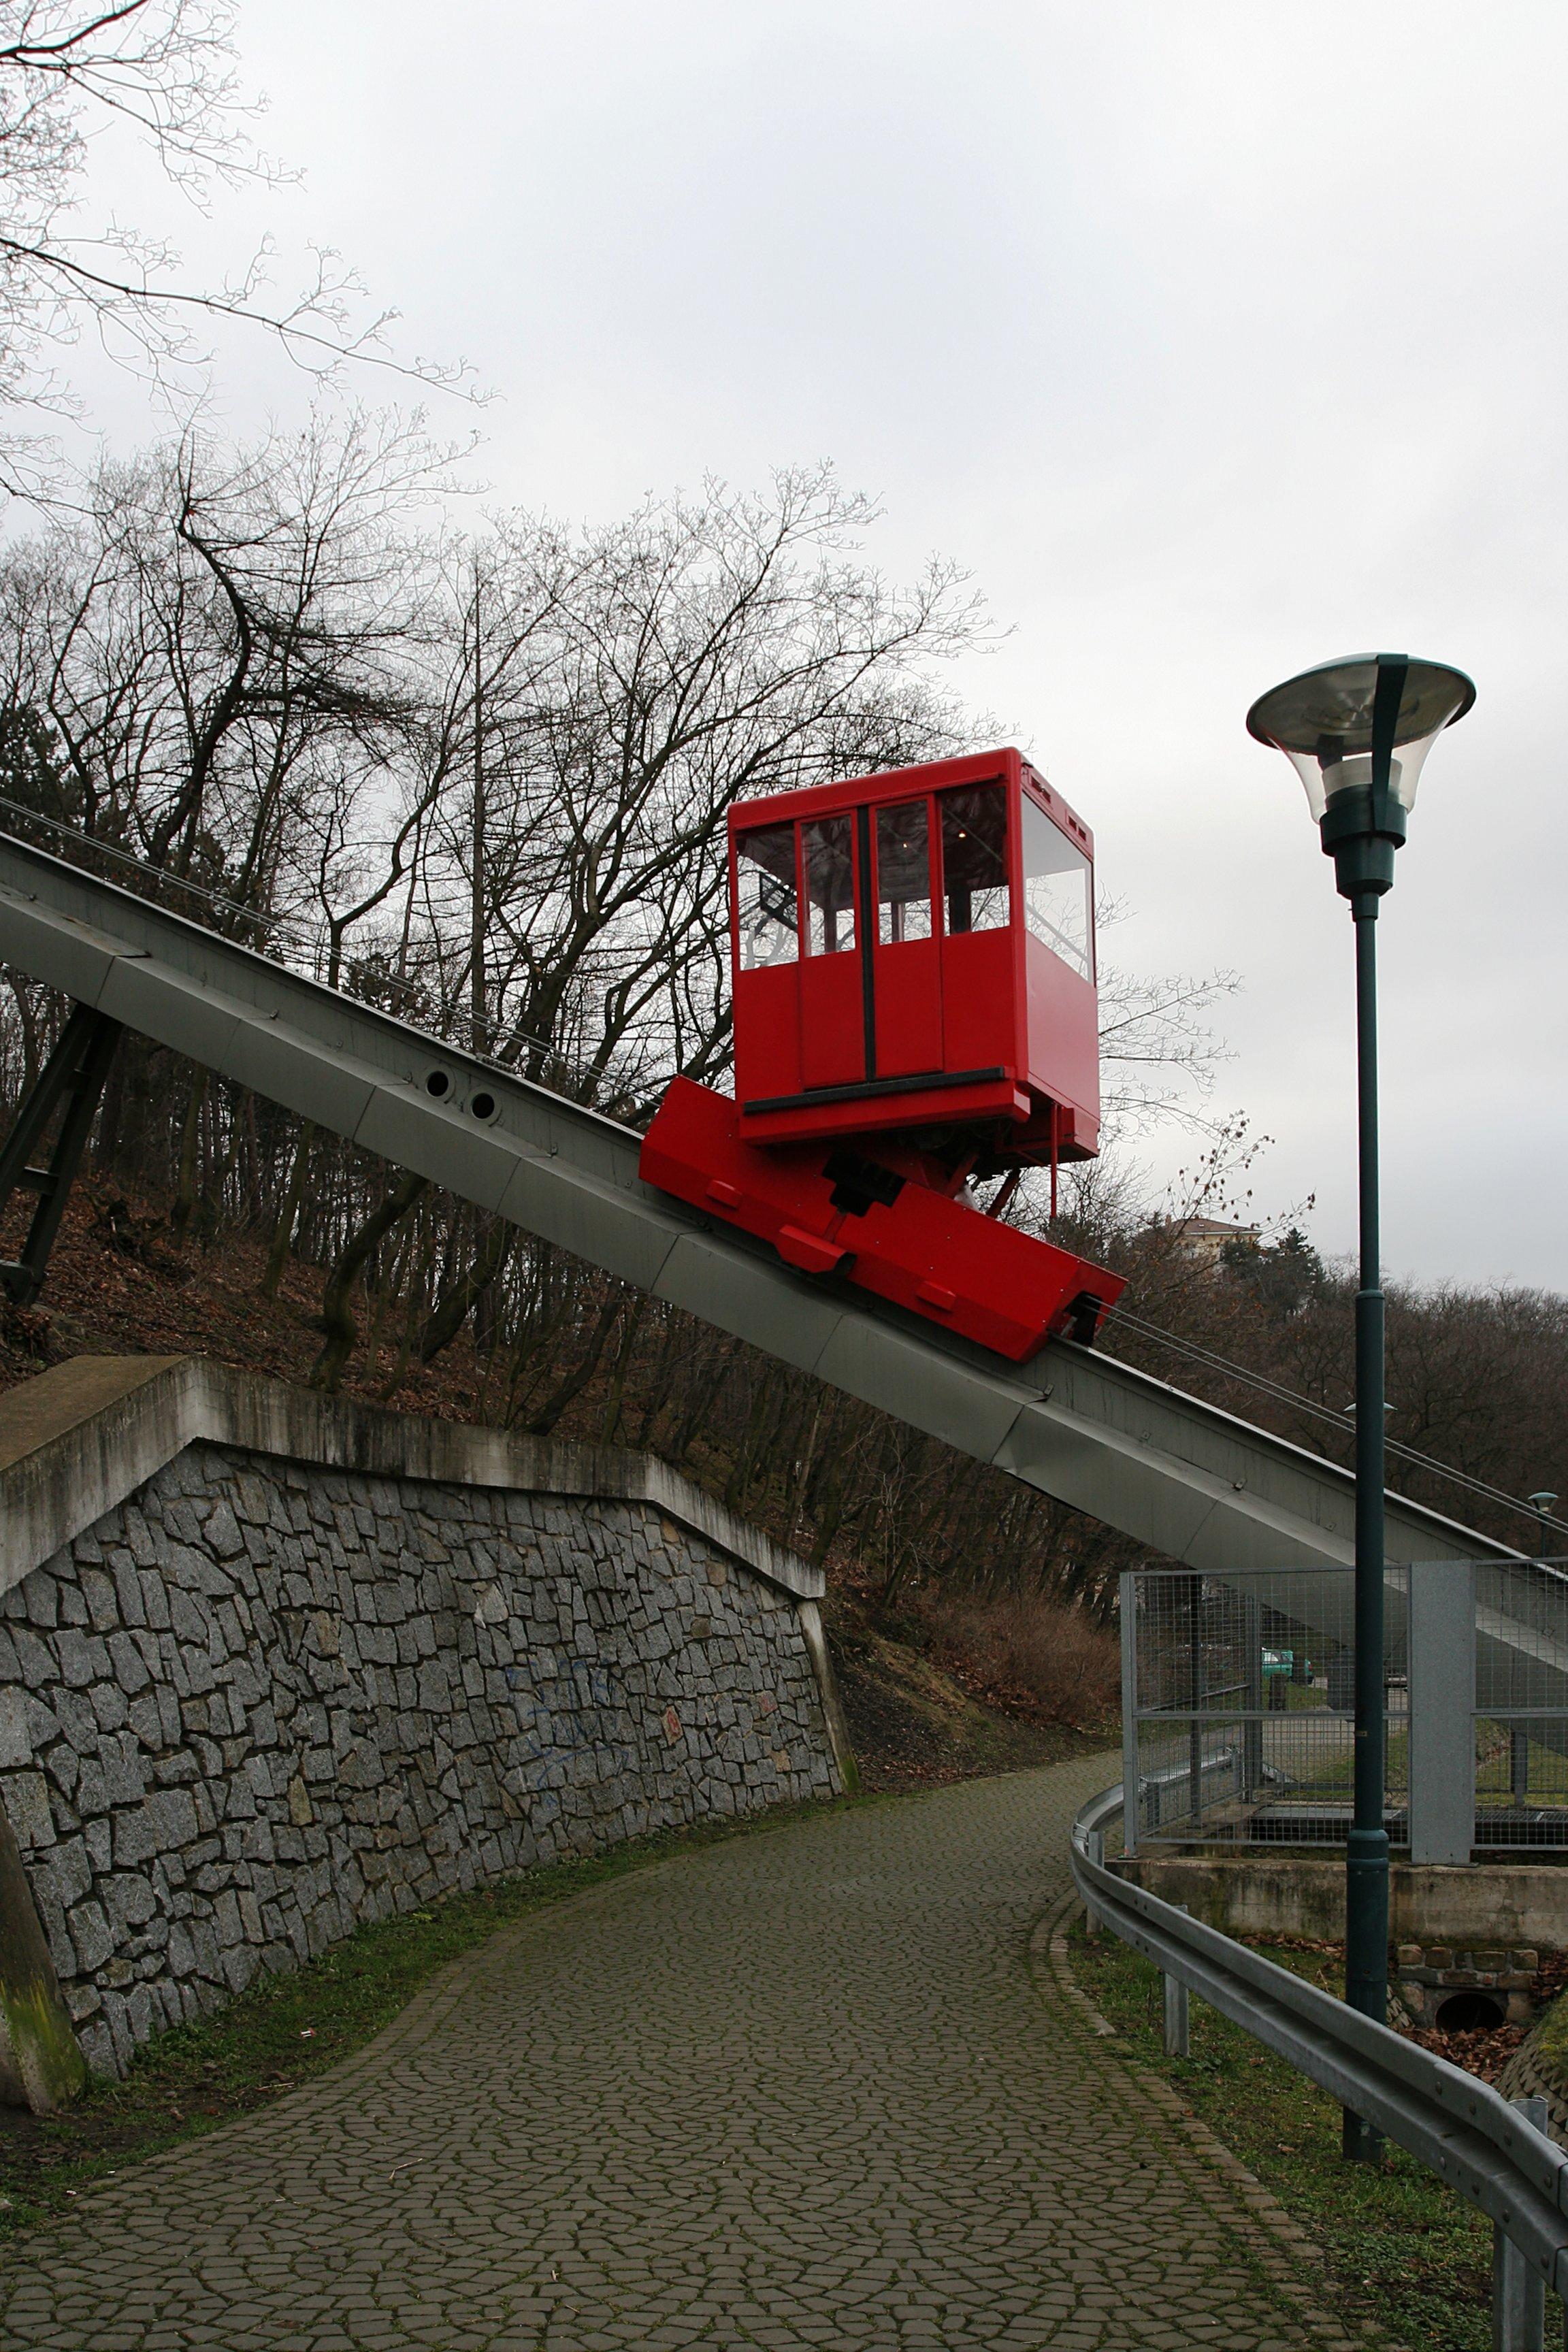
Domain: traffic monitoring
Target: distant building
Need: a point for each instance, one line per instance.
(1206, 1239)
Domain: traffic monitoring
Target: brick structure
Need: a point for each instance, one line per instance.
(1427, 1976)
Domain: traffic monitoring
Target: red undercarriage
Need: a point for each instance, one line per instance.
(880, 1221)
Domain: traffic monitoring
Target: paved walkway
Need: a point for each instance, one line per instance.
(807, 2089)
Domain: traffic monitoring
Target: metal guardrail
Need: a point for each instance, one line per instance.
(1459, 2126)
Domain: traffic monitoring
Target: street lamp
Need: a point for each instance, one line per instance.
(1357, 733)
(1540, 1503)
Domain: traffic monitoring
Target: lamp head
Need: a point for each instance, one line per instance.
(1357, 732)
(1541, 1502)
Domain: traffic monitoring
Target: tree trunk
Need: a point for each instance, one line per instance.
(740, 1478)
(283, 1231)
(185, 1189)
(624, 1354)
(556, 1402)
(702, 1401)
(834, 1497)
(32, 1061)
(451, 1309)
(418, 1284)
(657, 1389)
(800, 1475)
(337, 1300)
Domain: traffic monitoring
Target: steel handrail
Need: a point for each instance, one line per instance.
(1458, 2125)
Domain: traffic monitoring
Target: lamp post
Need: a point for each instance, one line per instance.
(1357, 732)
(1540, 1503)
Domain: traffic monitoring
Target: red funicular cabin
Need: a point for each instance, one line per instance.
(914, 1003)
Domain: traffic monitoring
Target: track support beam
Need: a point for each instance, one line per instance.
(70, 1083)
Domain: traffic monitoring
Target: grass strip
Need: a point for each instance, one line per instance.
(1403, 2251)
(283, 2030)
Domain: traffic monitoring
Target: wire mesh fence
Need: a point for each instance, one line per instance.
(1244, 1708)
(1239, 1699)
(1522, 1702)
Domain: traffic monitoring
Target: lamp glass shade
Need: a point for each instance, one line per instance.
(1322, 722)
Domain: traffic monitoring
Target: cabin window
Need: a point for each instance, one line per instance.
(903, 873)
(975, 858)
(829, 885)
(768, 924)
(1057, 891)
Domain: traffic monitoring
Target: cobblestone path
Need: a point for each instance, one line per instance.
(816, 2087)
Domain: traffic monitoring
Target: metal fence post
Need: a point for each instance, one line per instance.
(1442, 1666)
(1095, 1845)
(1130, 1792)
(1177, 2022)
(1195, 1699)
(1252, 1731)
(1177, 2015)
(1519, 2294)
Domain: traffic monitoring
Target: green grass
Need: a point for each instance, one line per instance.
(1547, 1783)
(1551, 2044)
(284, 2028)
(1401, 2250)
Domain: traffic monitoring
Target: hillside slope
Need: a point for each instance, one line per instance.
(116, 1287)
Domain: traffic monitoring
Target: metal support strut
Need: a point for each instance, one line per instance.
(1519, 2294)
(70, 1082)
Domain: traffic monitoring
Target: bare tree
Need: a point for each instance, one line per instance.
(629, 687)
(637, 684)
(165, 71)
(215, 641)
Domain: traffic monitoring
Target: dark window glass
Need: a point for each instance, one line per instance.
(765, 877)
(903, 873)
(829, 885)
(975, 858)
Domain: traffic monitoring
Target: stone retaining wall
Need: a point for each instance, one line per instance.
(274, 1692)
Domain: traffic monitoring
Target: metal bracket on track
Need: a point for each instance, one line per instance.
(70, 1082)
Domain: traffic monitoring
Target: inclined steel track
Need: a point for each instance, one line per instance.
(1200, 1485)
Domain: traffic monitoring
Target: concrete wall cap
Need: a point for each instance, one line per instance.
(82, 1437)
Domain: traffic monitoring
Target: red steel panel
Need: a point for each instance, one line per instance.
(1062, 1025)
(1005, 1029)
(984, 1101)
(935, 1257)
(979, 1002)
(831, 1051)
(909, 1009)
(767, 1032)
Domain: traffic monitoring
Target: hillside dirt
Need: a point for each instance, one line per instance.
(117, 1286)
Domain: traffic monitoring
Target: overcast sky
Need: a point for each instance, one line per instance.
(1214, 340)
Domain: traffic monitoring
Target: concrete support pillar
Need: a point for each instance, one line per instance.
(1442, 1710)
(815, 1641)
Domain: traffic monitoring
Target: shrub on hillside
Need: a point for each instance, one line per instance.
(1027, 1650)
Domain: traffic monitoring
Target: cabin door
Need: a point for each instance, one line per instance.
(833, 1011)
(906, 983)
(977, 947)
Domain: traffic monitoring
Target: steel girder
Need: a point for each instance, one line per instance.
(1200, 1486)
